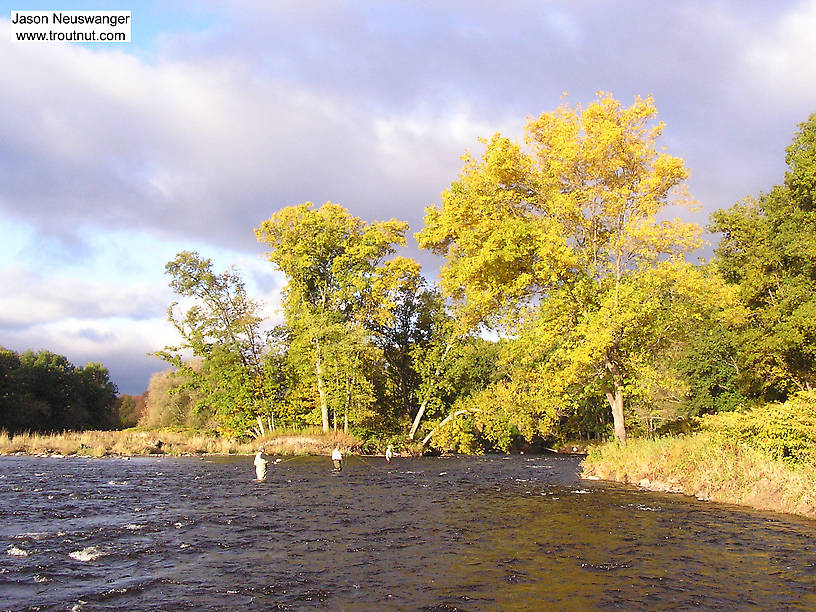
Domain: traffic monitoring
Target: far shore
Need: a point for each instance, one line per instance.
(146, 443)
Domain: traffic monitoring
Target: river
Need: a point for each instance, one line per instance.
(463, 533)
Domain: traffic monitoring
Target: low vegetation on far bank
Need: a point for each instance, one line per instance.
(135, 442)
(763, 458)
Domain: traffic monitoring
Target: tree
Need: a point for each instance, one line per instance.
(710, 362)
(98, 394)
(20, 409)
(768, 252)
(172, 401)
(562, 241)
(223, 329)
(130, 409)
(418, 321)
(338, 277)
(455, 369)
(43, 391)
(431, 359)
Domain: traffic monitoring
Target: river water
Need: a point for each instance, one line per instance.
(495, 533)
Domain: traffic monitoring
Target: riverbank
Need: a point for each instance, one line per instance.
(703, 466)
(139, 442)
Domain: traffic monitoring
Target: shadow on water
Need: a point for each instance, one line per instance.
(466, 533)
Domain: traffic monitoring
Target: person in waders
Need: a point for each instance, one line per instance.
(388, 454)
(337, 458)
(260, 464)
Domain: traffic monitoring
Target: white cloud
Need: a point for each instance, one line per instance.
(205, 150)
(782, 61)
(32, 298)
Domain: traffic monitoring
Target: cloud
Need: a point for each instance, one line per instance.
(95, 336)
(36, 299)
(203, 150)
(124, 346)
(358, 103)
(113, 160)
(781, 60)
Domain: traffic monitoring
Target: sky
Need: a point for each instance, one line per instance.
(114, 157)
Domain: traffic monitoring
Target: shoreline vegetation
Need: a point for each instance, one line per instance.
(764, 458)
(136, 442)
(700, 466)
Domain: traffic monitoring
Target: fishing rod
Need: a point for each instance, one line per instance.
(373, 467)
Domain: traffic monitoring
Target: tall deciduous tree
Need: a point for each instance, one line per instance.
(768, 251)
(418, 322)
(223, 328)
(569, 228)
(338, 276)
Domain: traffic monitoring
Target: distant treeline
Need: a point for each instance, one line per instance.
(131, 409)
(43, 391)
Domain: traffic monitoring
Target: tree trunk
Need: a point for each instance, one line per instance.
(445, 420)
(324, 405)
(616, 403)
(615, 399)
(424, 404)
(345, 422)
(418, 418)
(349, 387)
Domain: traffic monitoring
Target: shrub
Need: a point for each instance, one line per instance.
(170, 403)
(457, 436)
(785, 431)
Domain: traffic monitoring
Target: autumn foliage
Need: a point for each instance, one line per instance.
(566, 305)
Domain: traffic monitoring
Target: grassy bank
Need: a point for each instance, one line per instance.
(135, 442)
(704, 466)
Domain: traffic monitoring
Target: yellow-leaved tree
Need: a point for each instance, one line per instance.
(340, 283)
(562, 241)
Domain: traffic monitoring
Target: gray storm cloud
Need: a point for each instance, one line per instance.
(282, 105)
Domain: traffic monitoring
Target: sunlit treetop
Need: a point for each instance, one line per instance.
(581, 197)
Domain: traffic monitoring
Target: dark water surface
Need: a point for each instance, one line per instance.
(490, 533)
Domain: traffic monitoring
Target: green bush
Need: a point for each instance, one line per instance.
(785, 431)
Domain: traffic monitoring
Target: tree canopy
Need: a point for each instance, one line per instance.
(222, 328)
(565, 235)
(768, 252)
(339, 284)
(567, 249)
(44, 391)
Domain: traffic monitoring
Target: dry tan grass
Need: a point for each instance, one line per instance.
(168, 442)
(311, 443)
(698, 466)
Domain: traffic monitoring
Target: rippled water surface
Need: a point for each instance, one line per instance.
(435, 534)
